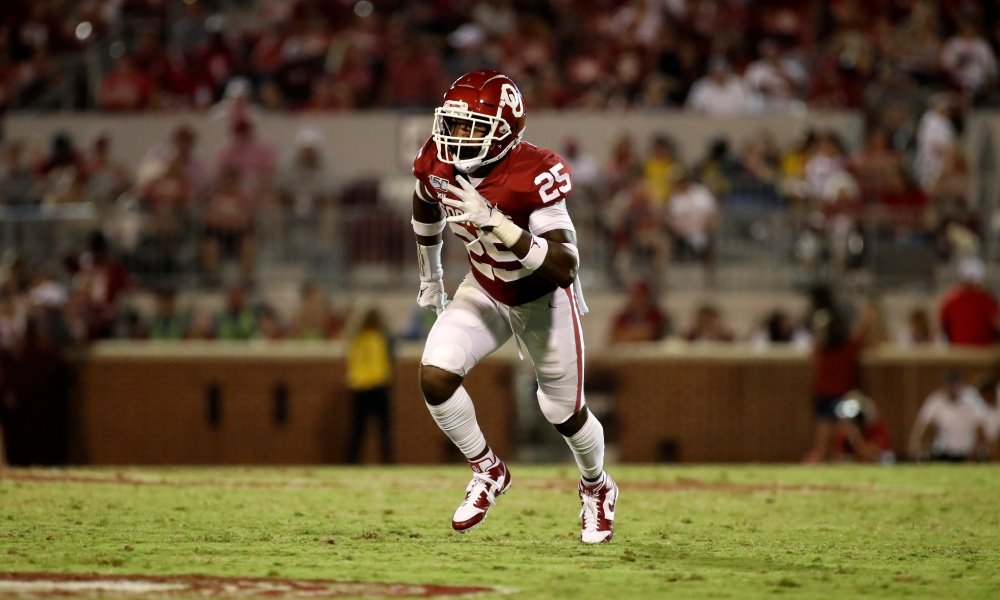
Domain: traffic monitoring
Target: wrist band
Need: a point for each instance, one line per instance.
(429, 262)
(427, 229)
(536, 253)
(507, 233)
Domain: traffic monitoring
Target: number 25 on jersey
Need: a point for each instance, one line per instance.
(546, 180)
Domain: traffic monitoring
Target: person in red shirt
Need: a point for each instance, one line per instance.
(641, 319)
(103, 280)
(125, 88)
(836, 354)
(969, 312)
(860, 434)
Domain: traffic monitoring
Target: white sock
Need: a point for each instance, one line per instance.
(588, 447)
(484, 464)
(456, 417)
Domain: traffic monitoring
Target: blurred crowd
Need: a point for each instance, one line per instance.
(716, 56)
(181, 220)
(967, 315)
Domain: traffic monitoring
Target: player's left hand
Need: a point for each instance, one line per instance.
(476, 210)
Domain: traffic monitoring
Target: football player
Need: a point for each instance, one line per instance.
(505, 199)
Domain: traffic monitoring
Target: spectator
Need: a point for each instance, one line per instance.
(989, 392)
(872, 323)
(778, 327)
(167, 200)
(956, 415)
(202, 327)
(586, 171)
(640, 248)
(237, 105)
(228, 226)
(836, 355)
(166, 322)
(660, 169)
(255, 160)
(720, 93)
(641, 319)
(315, 320)
(919, 328)
(414, 75)
(860, 434)
(61, 172)
(708, 326)
(901, 209)
(775, 80)
(180, 147)
(623, 164)
(718, 169)
(468, 50)
(237, 320)
(269, 325)
(692, 218)
(103, 281)
(126, 88)
(369, 379)
(969, 313)
(106, 177)
(969, 60)
(304, 186)
(935, 136)
(18, 184)
(876, 163)
(825, 163)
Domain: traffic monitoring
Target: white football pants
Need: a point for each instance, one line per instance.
(473, 325)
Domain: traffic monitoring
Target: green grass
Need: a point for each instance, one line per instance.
(733, 531)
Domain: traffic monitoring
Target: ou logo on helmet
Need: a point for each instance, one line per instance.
(510, 96)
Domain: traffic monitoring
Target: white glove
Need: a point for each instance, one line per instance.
(476, 210)
(432, 295)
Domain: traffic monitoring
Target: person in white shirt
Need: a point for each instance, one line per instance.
(989, 390)
(969, 60)
(721, 93)
(776, 80)
(958, 417)
(935, 137)
(692, 218)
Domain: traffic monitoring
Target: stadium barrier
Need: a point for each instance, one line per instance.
(197, 403)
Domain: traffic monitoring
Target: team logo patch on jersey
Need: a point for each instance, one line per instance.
(439, 183)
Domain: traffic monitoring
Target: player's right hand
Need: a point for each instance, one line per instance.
(432, 295)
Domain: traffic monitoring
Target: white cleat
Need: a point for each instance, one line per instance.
(597, 510)
(481, 494)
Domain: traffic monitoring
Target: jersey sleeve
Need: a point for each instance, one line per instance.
(422, 166)
(549, 218)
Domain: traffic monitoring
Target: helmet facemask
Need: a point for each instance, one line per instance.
(464, 138)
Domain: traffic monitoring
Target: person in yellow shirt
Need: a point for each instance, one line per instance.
(659, 167)
(369, 379)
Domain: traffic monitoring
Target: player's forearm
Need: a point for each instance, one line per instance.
(550, 255)
(559, 265)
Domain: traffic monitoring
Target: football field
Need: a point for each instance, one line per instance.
(686, 532)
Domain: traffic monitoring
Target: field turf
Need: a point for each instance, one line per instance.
(689, 532)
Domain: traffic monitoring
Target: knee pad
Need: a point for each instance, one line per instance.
(447, 356)
(557, 409)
